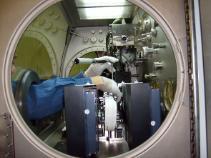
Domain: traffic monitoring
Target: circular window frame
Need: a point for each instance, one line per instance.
(39, 144)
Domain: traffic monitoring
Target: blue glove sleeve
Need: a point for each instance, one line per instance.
(14, 85)
(47, 97)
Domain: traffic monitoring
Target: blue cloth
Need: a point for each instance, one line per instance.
(14, 85)
(47, 97)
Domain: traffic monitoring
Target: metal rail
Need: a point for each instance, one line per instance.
(196, 80)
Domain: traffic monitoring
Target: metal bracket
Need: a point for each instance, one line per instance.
(6, 136)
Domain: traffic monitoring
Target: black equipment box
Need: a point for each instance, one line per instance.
(142, 112)
(81, 120)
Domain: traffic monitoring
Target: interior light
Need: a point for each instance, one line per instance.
(105, 12)
(95, 3)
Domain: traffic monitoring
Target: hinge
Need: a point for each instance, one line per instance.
(6, 136)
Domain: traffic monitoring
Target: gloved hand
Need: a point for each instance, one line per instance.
(96, 69)
(107, 58)
(107, 85)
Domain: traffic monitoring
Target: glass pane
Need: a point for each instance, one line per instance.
(105, 12)
(94, 3)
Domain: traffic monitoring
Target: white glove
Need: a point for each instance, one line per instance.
(107, 58)
(107, 85)
(97, 69)
(96, 60)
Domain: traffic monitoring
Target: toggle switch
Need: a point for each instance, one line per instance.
(158, 65)
(158, 45)
(147, 50)
(150, 76)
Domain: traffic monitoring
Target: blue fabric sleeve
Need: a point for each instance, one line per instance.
(80, 75)
(14, 85)
(47, 97)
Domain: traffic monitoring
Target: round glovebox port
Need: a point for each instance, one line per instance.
(58, 51)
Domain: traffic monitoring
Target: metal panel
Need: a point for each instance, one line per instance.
(173, 139)
(24, 148)
(143, 112)
(91, 122)
(198, 81)
(81, 120)
(137, 97)
(206, 39)
(127, 30)
(155, 110)
(6, 137)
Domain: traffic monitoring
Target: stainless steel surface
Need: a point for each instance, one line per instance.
(114, 147)
(193, 139)
(206, 38)
(171, 140)
(7, 149)
(198, 81)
